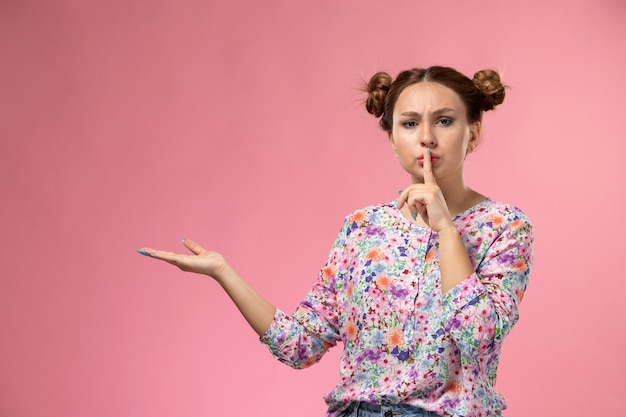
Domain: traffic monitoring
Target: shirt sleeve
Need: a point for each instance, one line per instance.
(300, 340)
(480, 311)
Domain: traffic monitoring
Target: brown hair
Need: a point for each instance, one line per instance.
(484, 92)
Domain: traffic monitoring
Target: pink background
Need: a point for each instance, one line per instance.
(240, 124)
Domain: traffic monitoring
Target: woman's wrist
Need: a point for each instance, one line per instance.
(223, 273)
(448, 231)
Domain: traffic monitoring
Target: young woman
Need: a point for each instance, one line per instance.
(421, 290)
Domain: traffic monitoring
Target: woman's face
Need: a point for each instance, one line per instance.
(431, 115)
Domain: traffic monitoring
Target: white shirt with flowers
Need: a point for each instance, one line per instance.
(405, 342)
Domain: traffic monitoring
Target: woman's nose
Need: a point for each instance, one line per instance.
(427, 138)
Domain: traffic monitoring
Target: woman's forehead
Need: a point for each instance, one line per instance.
(428, 96)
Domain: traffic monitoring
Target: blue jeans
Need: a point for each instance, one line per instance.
(359, 409)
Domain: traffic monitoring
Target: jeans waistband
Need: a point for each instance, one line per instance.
(387, 410)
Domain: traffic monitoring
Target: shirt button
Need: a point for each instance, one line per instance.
(388, 413)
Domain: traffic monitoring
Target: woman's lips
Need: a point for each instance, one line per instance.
(433, 158)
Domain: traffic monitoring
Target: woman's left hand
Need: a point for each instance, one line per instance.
(426, 200)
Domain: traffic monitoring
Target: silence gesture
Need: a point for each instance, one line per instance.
(426, 200)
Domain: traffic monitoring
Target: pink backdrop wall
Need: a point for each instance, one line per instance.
(125, 124)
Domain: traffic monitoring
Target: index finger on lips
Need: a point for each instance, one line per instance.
(429, 178)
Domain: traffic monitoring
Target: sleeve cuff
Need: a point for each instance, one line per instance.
(274, 336)
(467, 292)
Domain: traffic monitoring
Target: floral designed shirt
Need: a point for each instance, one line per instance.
(404, 341)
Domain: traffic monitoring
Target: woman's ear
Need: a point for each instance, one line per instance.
(393, 145)
(475, 133)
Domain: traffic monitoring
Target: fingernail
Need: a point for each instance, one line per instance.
(153, 255)
(183, 240)
(428, 150)
(396, 203)
(143, 252)
(399, 192)
(414, 216)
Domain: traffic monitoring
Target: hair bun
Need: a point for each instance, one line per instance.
(490, 84)
(377, 89)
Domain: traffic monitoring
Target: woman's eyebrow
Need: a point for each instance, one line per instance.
(436, 112)
(443, 110)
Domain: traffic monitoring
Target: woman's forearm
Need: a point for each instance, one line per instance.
(257, 311)
(454, 261)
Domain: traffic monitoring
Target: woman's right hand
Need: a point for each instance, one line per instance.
(257, 311)
(201, 262)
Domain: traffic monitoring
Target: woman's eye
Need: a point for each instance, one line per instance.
(409, 123)
(445, 122)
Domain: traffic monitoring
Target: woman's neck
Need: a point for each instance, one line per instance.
(458, 195)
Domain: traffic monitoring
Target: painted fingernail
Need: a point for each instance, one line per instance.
(143, 252)
(153, 255)
(183, 240)
(399, 192)
(428, 150)
(414, 216)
